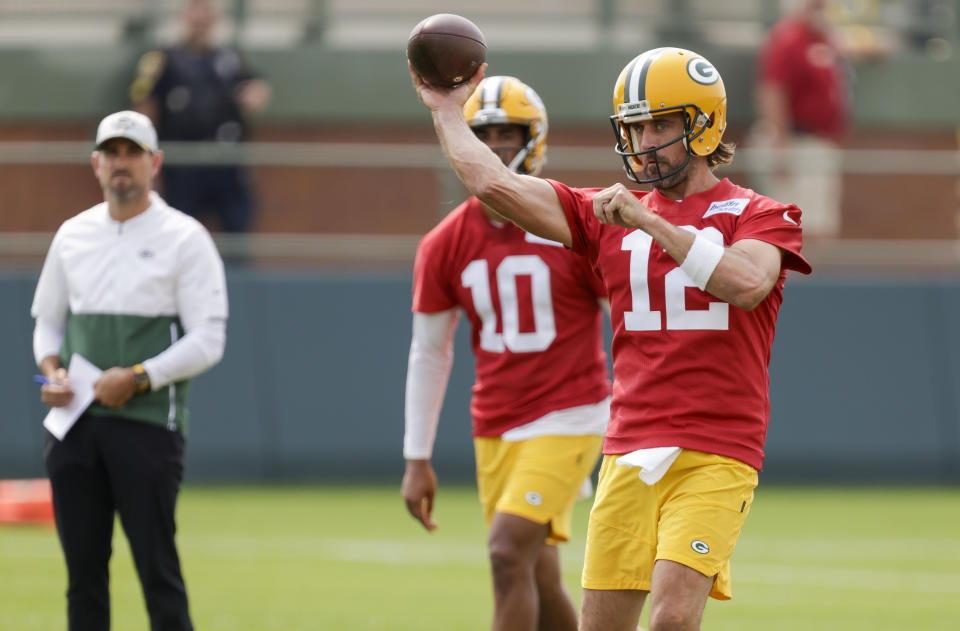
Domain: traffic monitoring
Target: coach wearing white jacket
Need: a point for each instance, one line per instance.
(137, 288)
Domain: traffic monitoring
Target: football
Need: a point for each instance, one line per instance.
(446, 49)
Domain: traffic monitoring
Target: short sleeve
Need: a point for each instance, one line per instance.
(780, 226)
(575, 203)
(432, 289)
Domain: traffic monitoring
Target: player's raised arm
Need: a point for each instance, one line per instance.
(527, 201)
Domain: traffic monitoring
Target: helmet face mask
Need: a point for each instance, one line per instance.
(659, 82)
(503, 100)
(628, 138)
(509, 141)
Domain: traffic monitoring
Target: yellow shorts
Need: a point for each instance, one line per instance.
(693, 516)
(537, 479)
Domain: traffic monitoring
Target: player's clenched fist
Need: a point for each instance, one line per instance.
(616, 205)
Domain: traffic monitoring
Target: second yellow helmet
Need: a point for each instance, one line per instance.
(500, 100)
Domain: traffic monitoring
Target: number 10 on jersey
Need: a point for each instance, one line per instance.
(475, 277)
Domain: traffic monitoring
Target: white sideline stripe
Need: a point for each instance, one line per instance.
(398, 552)
(390, 552)
(852, 549)
(839, 578)
(762, 549)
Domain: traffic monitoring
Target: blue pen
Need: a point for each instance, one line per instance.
(41, 379)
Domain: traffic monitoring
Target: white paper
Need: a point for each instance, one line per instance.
(653, 462)
(586, 489)
(82, 375)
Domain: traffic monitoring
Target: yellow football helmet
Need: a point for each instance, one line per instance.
(501, 100)
(664, 80)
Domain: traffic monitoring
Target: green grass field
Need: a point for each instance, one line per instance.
(316, 558)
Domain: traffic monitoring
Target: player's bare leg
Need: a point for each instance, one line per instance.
(679, 596)
(515, 544)
(611, 609)
(556, 607)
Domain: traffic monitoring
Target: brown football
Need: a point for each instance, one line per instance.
(446, 49)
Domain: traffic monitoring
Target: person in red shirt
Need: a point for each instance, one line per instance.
(694, 271)
(803, 112)
(541, 401)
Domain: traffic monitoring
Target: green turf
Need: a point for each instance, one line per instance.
(313, 558)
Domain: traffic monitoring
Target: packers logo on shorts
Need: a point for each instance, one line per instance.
(700, 547)
(533, 498)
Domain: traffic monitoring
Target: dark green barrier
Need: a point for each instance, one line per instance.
(865, 383)
(316, 84)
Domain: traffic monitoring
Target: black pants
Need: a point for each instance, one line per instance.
(105, 465)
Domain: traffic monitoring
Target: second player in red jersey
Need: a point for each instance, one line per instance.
(541, 400)
(533, 312)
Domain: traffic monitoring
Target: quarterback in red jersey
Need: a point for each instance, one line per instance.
(694, 272)
(541, 401)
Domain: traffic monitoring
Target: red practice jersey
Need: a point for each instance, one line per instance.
(534, 312)
(689, 370)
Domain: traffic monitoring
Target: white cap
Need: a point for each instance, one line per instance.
(130, 125)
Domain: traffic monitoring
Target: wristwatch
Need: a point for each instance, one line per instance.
(141, 378)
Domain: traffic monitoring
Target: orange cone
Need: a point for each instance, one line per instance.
(26, 502)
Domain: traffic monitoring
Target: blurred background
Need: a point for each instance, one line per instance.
(345, 175)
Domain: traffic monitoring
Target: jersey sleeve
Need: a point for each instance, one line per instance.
(433, 290)
(583, 225)
(780, 226)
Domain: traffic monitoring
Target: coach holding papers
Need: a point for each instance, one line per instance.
(138, 289)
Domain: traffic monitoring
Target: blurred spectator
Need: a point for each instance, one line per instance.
(197, 92)
(803, 108)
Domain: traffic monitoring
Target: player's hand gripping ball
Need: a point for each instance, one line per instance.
(446, 49)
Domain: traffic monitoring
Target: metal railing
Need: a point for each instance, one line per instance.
(428, 155)
(835, 255)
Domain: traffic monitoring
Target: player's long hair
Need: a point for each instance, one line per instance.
(722, 155)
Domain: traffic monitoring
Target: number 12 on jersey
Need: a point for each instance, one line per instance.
(475, 277)
(641, 317)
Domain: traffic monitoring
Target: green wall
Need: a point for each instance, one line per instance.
(316, 84)
(865, 383)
